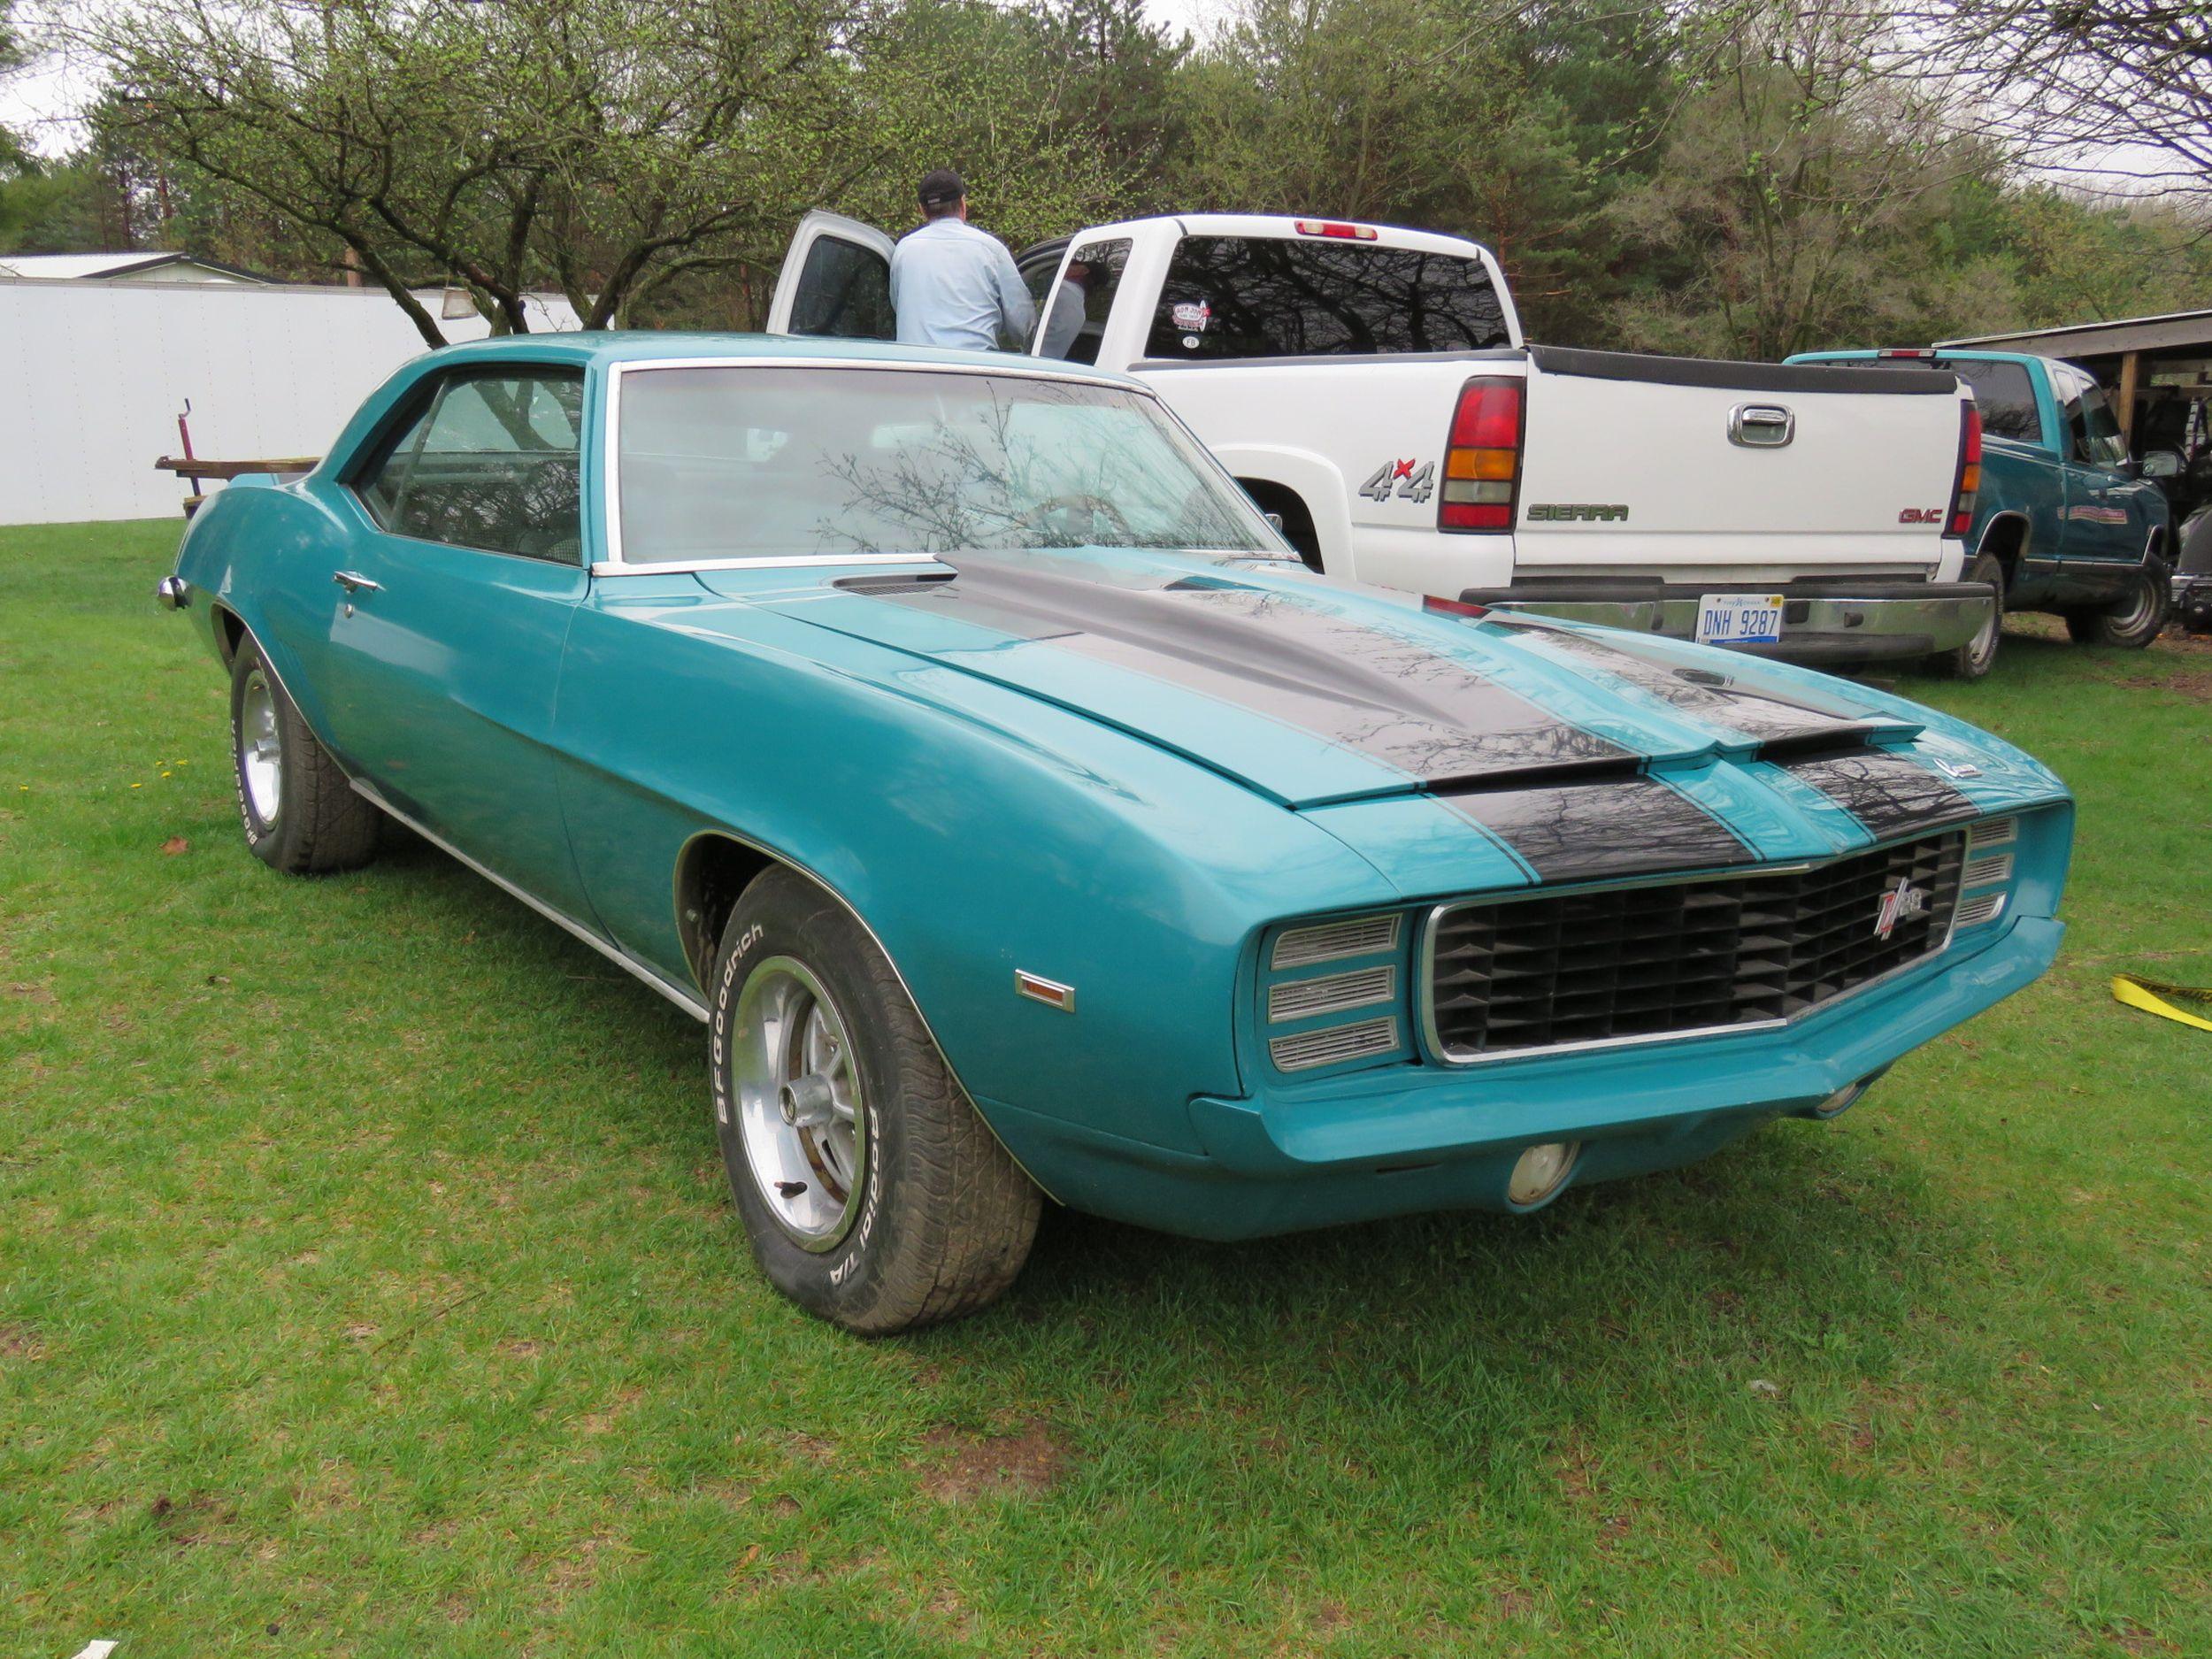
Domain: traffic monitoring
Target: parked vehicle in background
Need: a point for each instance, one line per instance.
(949, 734)
(1369, 386)
(2192, 573)
(2066, 523)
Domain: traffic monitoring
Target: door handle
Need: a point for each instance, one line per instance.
(1761, 426)
(354, 582)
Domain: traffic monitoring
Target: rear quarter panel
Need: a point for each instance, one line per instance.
(265, 554)
(1324, 427)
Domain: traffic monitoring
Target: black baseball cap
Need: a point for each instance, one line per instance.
(941, 186)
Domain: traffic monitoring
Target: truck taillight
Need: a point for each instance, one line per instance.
(1337, 229)
(1482, 457)
(1919, 354)
(1969, 477)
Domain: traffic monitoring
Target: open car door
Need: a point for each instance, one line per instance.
(835, 281)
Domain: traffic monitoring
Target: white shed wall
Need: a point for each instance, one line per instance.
(92, 375)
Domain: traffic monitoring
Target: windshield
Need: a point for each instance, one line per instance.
(748, 462)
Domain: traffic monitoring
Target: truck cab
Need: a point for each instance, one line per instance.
(2064, 521)
(1370, 387)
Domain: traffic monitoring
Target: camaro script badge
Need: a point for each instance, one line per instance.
(1899, 902)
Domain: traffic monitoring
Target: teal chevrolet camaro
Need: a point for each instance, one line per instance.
(950, 735)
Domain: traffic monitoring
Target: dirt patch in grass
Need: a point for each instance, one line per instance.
(2193, 682)
(20, 1341)
(1025, 1464)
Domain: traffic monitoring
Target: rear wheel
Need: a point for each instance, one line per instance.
(299, 813)
(874, 1195)
(1975, 657)
(2133, 621)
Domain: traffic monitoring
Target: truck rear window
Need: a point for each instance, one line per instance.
(1264, 296)
(2002, 391)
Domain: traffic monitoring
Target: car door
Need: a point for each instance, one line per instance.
(448, 620)
(835, 281)
(2098, 527)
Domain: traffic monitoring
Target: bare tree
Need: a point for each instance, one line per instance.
(598, 146)
(2103, 87)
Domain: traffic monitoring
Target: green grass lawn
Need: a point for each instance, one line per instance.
(368, 1285)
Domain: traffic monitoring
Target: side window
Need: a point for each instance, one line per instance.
(844, 293)
(490, 463)
(1037, 275)
(1075, 319)
(2005, 396)
(2097, 439)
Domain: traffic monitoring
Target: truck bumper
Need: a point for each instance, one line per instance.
(1824, 620)
(1402, 1141)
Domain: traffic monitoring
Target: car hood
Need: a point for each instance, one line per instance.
(1313, 693)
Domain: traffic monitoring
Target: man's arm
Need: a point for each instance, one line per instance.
(1015, 310)
(1063, 320)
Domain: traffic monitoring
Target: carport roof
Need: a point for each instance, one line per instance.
(2182, 331)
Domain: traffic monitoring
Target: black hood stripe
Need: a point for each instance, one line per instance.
(1885, 791)
(1710, 695)
(1586, 831)
(1396, 700)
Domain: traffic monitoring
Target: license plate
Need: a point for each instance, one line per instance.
(1740, 619)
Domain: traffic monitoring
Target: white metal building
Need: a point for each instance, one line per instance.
(138, 268)
(94, 372)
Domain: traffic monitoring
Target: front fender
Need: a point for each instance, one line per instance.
(975, 830)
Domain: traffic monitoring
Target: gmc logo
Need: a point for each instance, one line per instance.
(1921, 515)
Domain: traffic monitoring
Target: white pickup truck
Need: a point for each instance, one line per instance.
(1370, 387)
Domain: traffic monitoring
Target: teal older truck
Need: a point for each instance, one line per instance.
(2065, 522)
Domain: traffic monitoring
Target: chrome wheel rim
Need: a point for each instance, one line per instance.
(799, 1112)
(2140, 605)
(260, 748)
(1985, 636)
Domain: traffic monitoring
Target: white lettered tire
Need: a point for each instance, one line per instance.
(874, 1195)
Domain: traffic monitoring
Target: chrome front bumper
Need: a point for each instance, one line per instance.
(1822, 621)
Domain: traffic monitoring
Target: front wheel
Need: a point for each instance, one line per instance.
(299, 813)
(1975, 657)
(874, 1195)
(2133, 621)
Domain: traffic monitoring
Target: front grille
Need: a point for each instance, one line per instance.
(1625, 962)
(1332, 1045)
(1987, 871)
(1361, 936)
(1982, 907)
(1332, 992)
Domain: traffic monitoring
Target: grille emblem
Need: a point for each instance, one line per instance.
(1899, 902)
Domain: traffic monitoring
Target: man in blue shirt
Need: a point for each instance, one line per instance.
(953, 285)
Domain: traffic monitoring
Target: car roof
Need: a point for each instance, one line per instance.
(611, 346)
(1942, 353)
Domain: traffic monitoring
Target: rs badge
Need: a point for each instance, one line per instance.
(1902, 901)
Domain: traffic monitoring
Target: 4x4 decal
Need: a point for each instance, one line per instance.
(1414, 481)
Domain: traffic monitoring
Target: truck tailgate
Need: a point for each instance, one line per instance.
(1681, 469)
